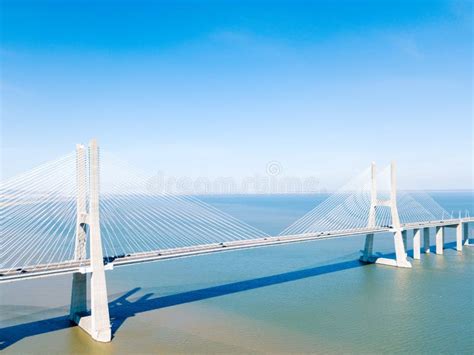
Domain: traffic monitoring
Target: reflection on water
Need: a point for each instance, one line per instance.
(309, 297)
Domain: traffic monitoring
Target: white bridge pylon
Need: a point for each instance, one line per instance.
(399, 242)
(369, 204)
(97, 324)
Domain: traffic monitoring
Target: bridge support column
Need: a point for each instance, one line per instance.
(368, 248)
(405, 241)
(459, 237)
(416, 244)
(466, 234)
(78, 307)
(426, 240)
(98, 323)
(439, 240)
(400, 253)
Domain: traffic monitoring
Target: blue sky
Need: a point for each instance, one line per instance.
(219, 88)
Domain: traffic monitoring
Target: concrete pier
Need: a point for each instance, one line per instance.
(368, 248)
(466, 234)
(426, 240)
(405, 241)
(439, 240)
(459, 237)
(416, 243)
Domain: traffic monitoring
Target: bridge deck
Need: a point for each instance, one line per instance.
(69, 267)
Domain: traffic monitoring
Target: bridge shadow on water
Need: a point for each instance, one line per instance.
(121, 308)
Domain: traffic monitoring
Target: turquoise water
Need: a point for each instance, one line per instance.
(308, 298)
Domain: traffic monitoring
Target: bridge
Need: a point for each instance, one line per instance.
(85, 213)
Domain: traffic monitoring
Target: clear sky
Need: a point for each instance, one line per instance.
(219, 88)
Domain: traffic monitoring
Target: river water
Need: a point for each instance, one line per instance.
(311, 297)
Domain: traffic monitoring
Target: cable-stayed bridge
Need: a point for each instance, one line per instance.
(83, 214)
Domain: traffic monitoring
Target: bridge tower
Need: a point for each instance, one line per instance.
(79, 280)
(97, 324)
(398, 233)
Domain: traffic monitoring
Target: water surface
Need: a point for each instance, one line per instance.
(309, 297)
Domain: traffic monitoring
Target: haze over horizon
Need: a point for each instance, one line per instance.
(220, 89)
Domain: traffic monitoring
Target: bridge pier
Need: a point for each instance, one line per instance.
(439, 240)
(405, 241)
(466, 234)
(400, 253)
(416, 244)
(368, 248)
(78, 306)
(459, 236)
(426, 240)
